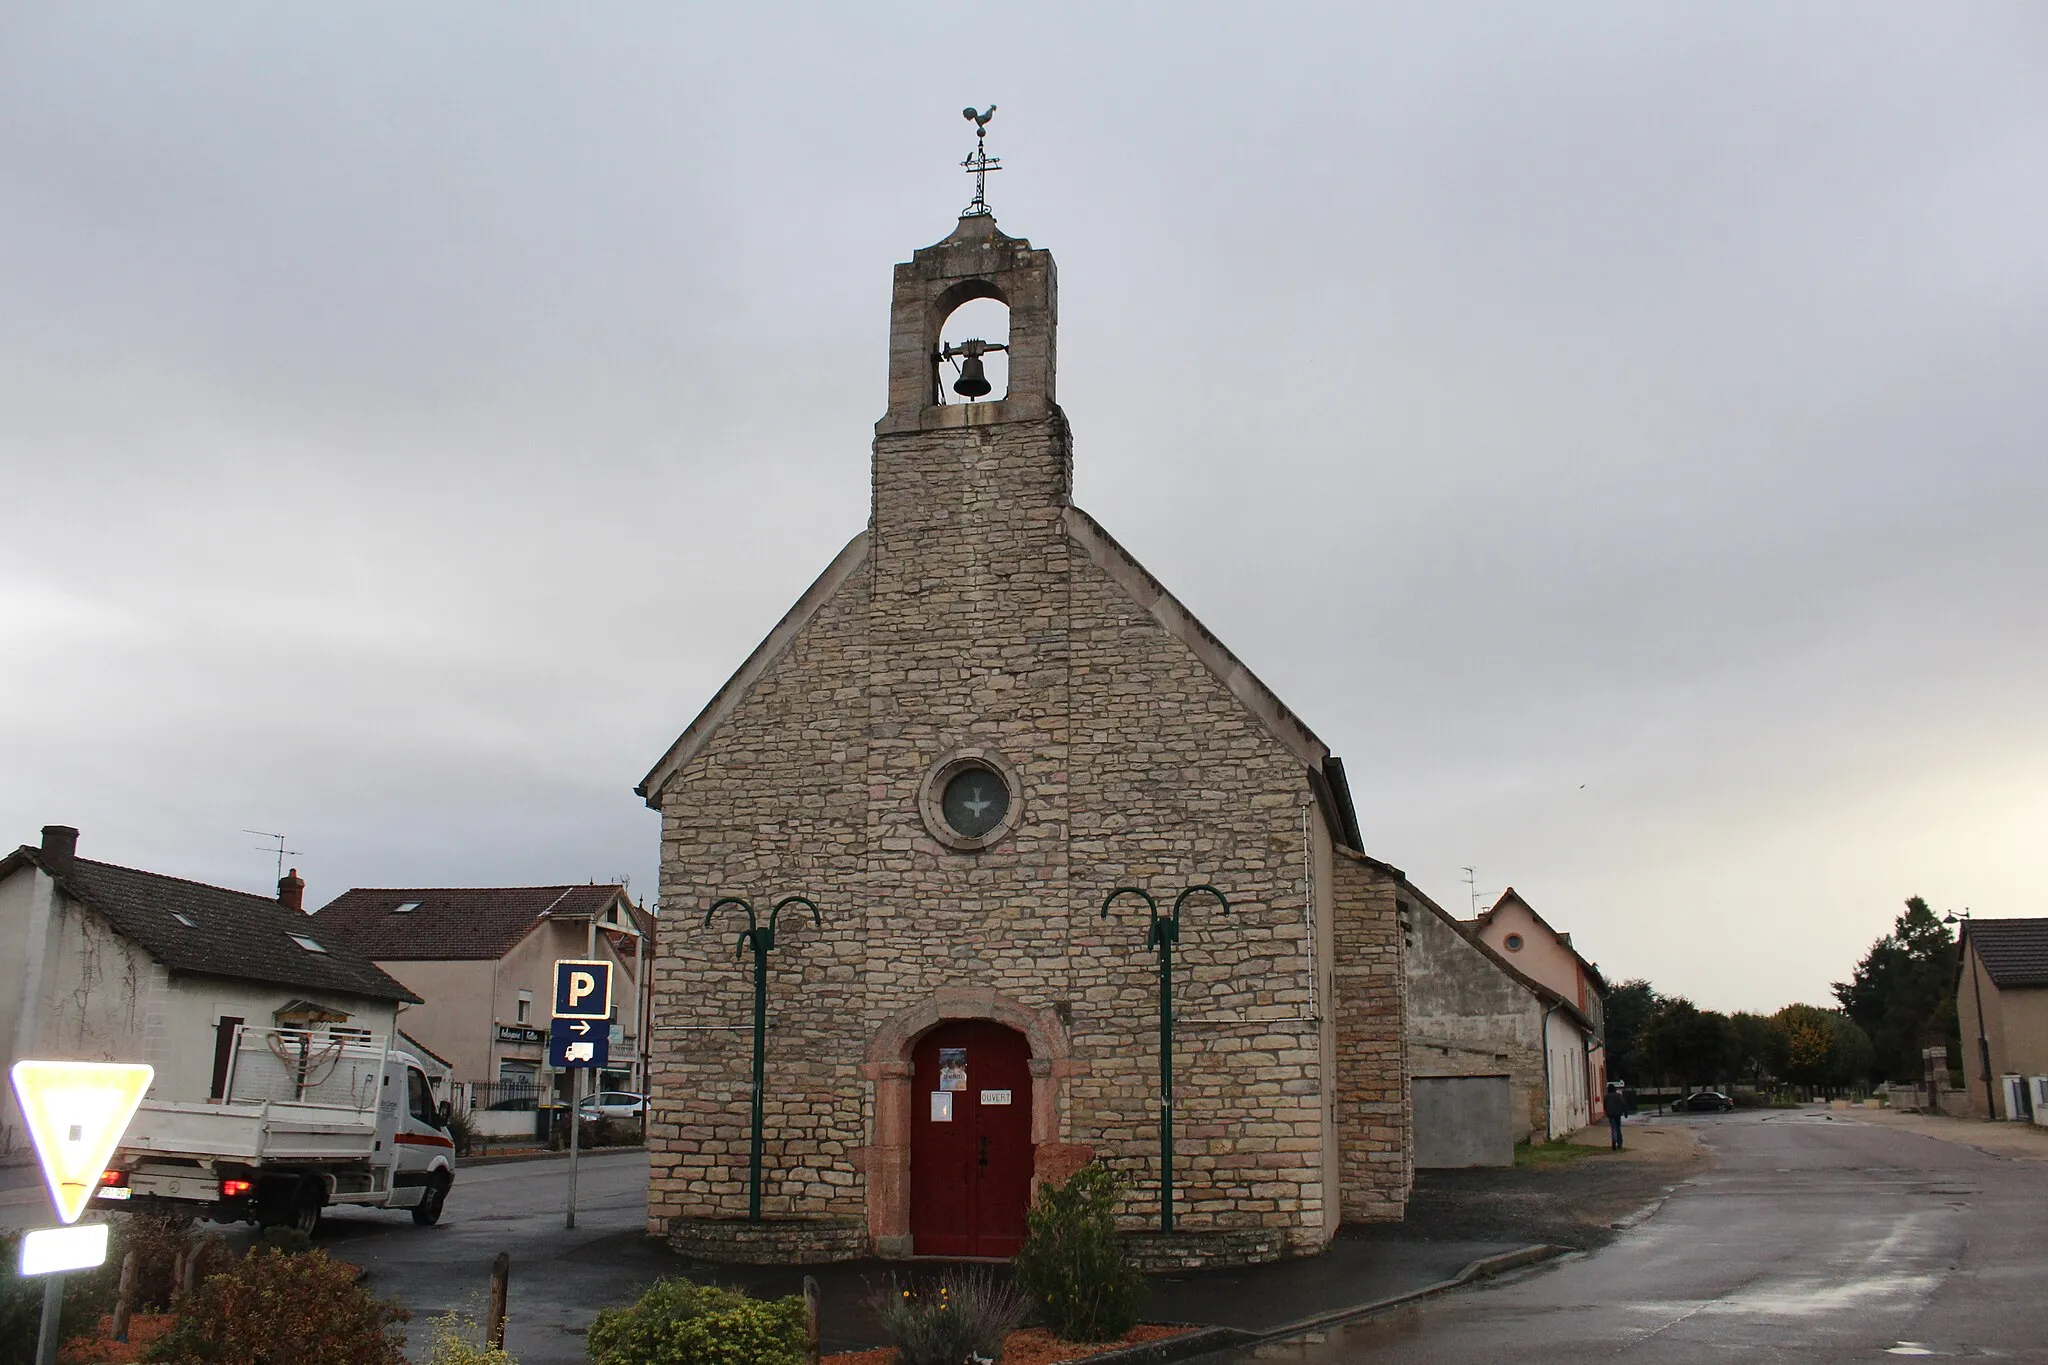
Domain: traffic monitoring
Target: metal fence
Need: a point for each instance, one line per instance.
(496, 1095)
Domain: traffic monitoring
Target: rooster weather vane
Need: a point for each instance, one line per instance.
(973, 381)
(981, 163)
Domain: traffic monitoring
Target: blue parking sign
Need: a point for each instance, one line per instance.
(574, 1043)
(583, 990)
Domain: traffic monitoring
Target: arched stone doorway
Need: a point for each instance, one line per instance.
(890, 1065)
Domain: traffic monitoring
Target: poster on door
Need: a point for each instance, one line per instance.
(953, 1069)
(942, 1106)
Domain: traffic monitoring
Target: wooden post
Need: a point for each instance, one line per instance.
(188, 1278)
(501, 1280)
(124, 1298)
(178, 1268)
(810, 1321)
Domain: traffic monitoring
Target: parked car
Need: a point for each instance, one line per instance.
(1703, 1102)
(613, 1104)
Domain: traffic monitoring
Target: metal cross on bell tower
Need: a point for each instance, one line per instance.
(981, 163)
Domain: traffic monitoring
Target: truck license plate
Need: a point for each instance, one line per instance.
(115, 1192)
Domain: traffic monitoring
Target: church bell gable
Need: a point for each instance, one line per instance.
(978, 261)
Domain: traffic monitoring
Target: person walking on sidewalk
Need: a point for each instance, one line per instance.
(1617, 1104)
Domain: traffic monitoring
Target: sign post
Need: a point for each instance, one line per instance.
(579, 1040)
(76, 1113)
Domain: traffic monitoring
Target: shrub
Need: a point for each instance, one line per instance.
(156, 1239)
(462, 1131)
(1072, 1266)
(946, 1320)
(287, 1241)
(680, 1323)
(458, 1339)
(270, 1307)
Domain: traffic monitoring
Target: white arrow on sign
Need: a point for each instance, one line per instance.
(580, 1027)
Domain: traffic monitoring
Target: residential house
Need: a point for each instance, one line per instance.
(1514, 930)
(2002, 1005)
(483, 958)
(106, 963)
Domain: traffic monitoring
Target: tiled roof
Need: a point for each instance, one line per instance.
(2014, 951)
(453, 923)
(212, 931)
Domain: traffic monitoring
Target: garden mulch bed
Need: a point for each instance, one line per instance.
(1034, 1346)
(143, 1329)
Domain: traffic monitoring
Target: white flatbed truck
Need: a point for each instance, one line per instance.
(307, 1119)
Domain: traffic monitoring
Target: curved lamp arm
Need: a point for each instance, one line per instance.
(1221, 899)
(747, 935)
(805, 901)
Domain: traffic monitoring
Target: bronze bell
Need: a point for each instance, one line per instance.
(973, 380)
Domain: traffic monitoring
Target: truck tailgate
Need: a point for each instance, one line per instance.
(251, 1133)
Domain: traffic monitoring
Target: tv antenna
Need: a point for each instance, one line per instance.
(1472, 891)
(281, 850)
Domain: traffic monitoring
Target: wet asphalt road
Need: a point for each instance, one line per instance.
(1812, 1239)
(559, 1278)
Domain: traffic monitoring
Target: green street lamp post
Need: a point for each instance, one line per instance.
(1163, 934)
(760, 940)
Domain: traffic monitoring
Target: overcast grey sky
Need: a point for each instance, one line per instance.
(1618, 430)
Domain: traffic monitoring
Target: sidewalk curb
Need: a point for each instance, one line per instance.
(1199, 1342)
(1484, 1268)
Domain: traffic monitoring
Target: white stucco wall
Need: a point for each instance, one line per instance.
(100, 997)
(1565, 1046)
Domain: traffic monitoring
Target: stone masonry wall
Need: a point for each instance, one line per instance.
(1467, 1017)
(1375, 1140)
(974, 622)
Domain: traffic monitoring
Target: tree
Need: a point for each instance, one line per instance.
(1902, 994)
(1627, 1009)
(1753, 1046)
(1821, 1049)
(1685, 1043)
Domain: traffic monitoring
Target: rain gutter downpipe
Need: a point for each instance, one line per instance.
(1549, 1107)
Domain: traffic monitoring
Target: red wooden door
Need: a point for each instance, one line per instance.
(970, 1140)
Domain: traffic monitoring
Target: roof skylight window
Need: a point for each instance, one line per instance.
(308, 944)
(407, 908)
(184, 919)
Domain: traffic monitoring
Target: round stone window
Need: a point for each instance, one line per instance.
(970, 800)
(1514, 942)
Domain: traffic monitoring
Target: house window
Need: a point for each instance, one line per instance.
(223, 1053)
(308, 944)
(406, 908)
(525, 1006)
(1514, 942)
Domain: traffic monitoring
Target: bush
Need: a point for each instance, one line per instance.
(156, 1239)
(462, 1131)
(1072, 1266)
(270, 1307)
(946, 1320)
(680, 1323)
(458, 1339)
(287, 1241)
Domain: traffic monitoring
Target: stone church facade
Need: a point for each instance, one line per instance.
(979, 720)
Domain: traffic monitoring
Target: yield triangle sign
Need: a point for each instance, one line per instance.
(76, 1112)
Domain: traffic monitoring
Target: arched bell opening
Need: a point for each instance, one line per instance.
(971, 357)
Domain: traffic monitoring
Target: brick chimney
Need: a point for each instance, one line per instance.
(60, 848)
(291, 891)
